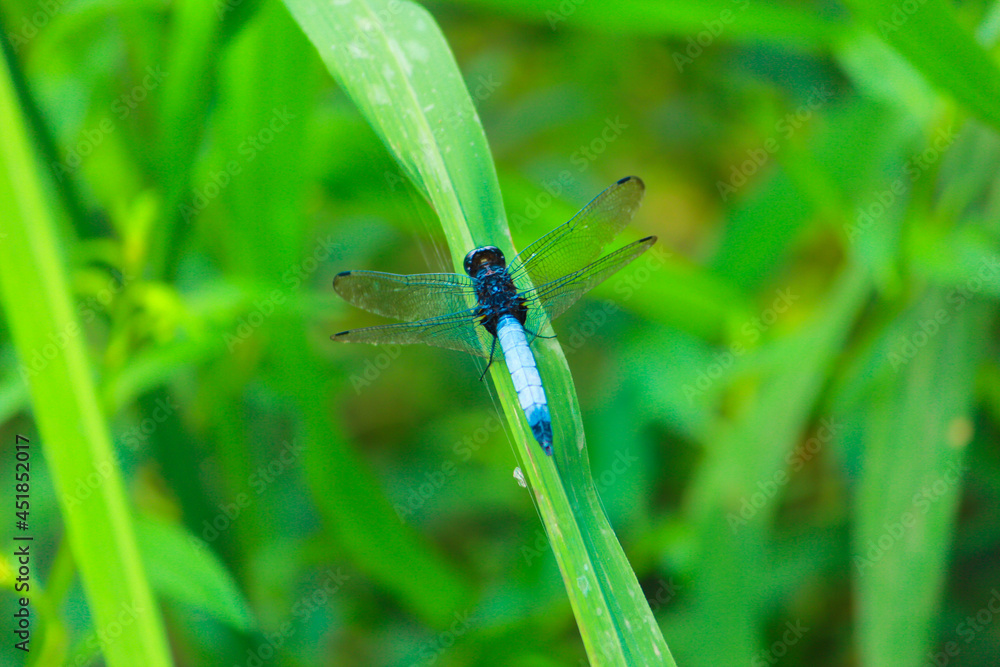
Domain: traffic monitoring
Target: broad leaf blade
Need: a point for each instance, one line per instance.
(394, 63)
(912, 432)
(74, 435)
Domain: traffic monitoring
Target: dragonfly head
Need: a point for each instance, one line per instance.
(481, 258)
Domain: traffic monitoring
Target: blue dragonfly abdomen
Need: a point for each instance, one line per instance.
(527, 382)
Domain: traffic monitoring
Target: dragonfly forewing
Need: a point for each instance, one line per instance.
(575, 244)
(406, 298)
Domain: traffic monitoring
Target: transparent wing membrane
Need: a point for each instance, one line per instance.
(458, 331)
(552, 299)
(441, 309)
(406, 298)
(579, 242)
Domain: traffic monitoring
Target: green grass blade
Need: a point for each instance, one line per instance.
(393, 61)
(930, 37)
(182, 568)
(746, 454)
(913, 436)
(184, 100)
(74, 437)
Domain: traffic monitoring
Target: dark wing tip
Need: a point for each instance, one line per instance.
(638, 181)
(651, 239)
(336, 281)
(337, 336)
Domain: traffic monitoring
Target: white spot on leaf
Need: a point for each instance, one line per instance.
(358, 51)
(397, 53)
(379, 96)
(417, 51)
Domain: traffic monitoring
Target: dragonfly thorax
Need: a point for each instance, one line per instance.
(483, 258)
(495, 291)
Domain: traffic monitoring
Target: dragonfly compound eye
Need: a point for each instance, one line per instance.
(481, 257)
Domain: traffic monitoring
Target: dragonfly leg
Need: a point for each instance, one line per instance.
(534, 335)
(493, 348)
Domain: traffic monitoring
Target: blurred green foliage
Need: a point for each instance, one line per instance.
(792, 413)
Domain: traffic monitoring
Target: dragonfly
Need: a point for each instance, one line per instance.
(499, 303)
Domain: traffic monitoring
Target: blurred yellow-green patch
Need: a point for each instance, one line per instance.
(776, 431)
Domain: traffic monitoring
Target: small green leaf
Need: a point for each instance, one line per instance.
(183, 568)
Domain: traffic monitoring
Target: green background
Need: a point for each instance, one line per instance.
(791, 403)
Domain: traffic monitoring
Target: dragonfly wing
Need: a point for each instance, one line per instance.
(551, 300)
(406, 298)
(457, 331)
(578, 242)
